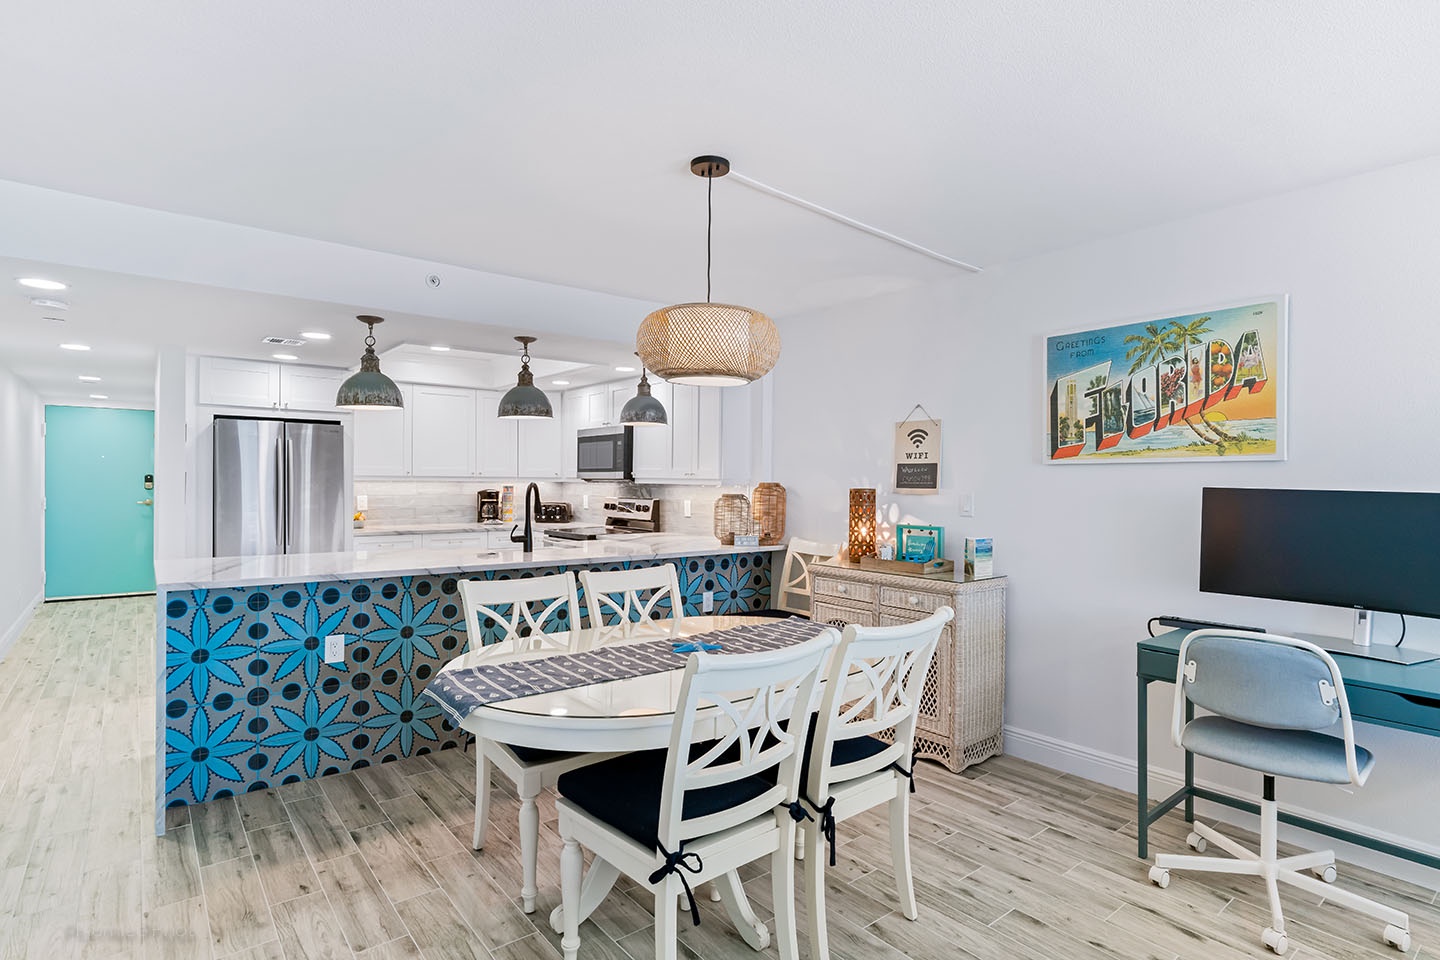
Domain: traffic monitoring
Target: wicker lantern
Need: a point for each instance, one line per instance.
(732, 516)
(769, 512)
(862, 523)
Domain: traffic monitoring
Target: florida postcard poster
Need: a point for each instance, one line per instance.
(1200, 385)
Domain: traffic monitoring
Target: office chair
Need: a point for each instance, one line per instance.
(1270, 697)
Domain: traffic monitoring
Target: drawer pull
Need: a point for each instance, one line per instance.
(1430, 702)
(914, 600)
(842, 589)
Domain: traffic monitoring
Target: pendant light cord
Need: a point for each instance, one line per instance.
(709, 221)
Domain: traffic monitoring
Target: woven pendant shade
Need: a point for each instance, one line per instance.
(769, 512)
(708, 344)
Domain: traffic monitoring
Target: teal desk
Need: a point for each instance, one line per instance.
(1406, 697)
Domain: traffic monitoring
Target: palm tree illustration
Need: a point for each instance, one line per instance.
(1157, 344)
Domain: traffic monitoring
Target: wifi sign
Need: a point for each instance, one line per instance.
(917, 437)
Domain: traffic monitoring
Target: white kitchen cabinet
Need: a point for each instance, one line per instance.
(694, 432)
(707, 433)
(616, 397)
(540, 448)
(652, 444)
(472, 541)
(367, 543)
(382, 439)
(442, 432)
(574, 414)
(310, 388)
(238, 383)
(498, 455)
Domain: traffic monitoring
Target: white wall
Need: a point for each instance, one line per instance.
(22, 490)
(1093, 551)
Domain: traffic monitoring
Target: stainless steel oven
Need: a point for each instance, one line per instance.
(605, 453)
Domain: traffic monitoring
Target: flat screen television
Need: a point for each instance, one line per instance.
(1342, 548)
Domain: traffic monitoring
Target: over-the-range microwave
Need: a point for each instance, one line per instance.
(605, 453)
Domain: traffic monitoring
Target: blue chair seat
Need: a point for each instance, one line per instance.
(624, 792)
(843, 751)
(1302, 754)
(536, 755)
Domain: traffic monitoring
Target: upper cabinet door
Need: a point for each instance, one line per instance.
(707, 433)
(382, 439)
(442, 432)
(695, 432)
(239, 383)
(541, 457)
(498, 454)
(574, 416)
(652, 444)
(310, 388)
(618, 395)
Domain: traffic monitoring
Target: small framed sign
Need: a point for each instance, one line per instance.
(917, 456)
(919, 544)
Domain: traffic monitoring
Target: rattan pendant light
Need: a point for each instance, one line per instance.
(708, 344)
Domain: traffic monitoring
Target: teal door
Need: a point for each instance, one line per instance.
(99, 521)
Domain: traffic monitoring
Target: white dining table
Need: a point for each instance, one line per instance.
(616, 716)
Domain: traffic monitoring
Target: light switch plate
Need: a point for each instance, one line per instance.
(707, 602)
(362, 502)
(335, 648)
(584, 501)
(687, 508)
(967, 504)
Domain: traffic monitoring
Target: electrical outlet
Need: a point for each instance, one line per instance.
(335, 648)
(707, 603)
(584, 501)
(687, 508)
(362, 502)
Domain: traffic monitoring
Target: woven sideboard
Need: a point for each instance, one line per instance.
(962, 708)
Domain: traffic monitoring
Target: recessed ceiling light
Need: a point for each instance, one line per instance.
(624, 369)
(99, 396)
(48, 302)
(284, 356)
(315, 335)
(85, 378)
(560, 383)
(439, 348)
(40, 283)
(74, 346)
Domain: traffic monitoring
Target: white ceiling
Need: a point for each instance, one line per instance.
(124, 320)
(551, 140)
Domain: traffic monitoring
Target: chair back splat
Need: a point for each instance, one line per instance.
(523, 610)
(641, 593)
(791, 591)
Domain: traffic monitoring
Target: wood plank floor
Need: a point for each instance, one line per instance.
(1011, 860)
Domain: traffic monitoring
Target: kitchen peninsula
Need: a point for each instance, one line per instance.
(247, 699)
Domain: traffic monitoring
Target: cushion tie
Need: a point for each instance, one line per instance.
(907, 774)
(827, 824)
(676, 862)
(798, 811)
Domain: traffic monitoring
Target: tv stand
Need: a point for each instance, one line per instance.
(1386, 652)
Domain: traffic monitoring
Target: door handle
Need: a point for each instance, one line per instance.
(146, 503)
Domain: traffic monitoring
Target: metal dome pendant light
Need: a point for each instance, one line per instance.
(643, 409)
(708, 344)
(368, 388)
(525, 401)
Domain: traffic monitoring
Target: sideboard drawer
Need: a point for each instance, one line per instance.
(842, 614)
(847, 590)
(922, 602)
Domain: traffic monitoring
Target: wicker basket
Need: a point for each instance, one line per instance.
(769, 512)
(732, 516)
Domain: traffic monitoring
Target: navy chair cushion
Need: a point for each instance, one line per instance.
(536, 755)
(624, 792)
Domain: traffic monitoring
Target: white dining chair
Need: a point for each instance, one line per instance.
(873, 684)
(790, 591)
(619, 596)
(697, 811)
(521, 608)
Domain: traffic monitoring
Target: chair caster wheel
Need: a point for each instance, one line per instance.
(1397, 938)
(1275, 940)
(1195, 842)
(1325, 873)
(1160, 877)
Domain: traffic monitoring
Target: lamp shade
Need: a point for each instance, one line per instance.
(644, 409)
(525, 401)
(368, 388)
(708, 344)
(862, 523)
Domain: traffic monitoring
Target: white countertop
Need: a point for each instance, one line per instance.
(205, 572)
(415, 527)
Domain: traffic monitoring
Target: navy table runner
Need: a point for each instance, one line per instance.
(460, 692)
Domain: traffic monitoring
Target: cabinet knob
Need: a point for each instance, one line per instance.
(842, 589)
(914, 600)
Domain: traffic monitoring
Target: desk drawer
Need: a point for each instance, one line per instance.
(1408, 712)
(921, 602)
(845, 590)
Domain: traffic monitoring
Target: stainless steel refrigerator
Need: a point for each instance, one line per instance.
(279, 487)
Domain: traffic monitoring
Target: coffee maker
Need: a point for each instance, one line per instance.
(487, 505)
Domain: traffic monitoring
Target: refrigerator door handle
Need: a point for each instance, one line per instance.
(282, 481)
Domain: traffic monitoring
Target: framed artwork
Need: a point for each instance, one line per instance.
(1195, 386)
(919, 543)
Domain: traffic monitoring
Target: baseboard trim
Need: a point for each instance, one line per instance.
(8, 638)
(1116, 771)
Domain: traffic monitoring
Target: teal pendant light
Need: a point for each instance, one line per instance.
(643, 409)
(368, 388)
(525, 401)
